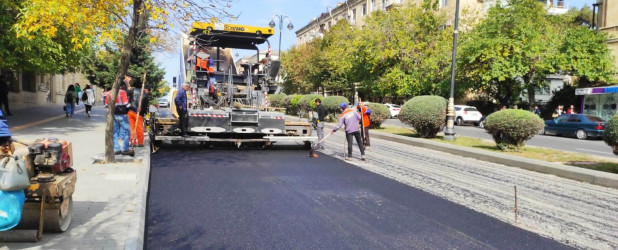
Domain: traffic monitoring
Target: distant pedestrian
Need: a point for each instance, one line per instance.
(536, 110)
(78, 93)
(181, 108)
(571, 110)
(70, 99)
(321, 110)
(366, 121)
(104, 95)
(88, 99)
(351, 119)
(4, 94)
(503, 108)
(121, 121)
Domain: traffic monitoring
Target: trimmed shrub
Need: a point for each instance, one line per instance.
(275, 100)
(307, 102)
(290, 103)
(331, 103)
(511, 128)
(426, 114)
(379, 114)
(610, 135)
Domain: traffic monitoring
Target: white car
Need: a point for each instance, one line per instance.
(163, 103)
(394, 109)
(467, 114)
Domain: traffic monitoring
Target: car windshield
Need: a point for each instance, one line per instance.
(395, 106)
(593, 118)
(162, 99)
(470, 109)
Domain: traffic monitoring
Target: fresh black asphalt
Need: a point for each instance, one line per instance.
(281, 199)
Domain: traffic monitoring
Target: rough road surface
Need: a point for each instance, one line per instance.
(281, 199)
(571, 212)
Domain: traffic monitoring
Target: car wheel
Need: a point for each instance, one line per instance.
(542, 131)
(459, 121)
(581, 134)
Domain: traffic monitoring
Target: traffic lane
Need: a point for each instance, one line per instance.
(281, 199)
(594, 147)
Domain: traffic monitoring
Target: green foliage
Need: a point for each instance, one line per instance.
(290, 103)
(425, 113)
(511, 128)
(276, 100)
(585, 54)
(610, 134)
(331, 103)
(307, 102)
(379, 114)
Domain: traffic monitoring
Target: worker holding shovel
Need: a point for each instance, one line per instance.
(351, 119)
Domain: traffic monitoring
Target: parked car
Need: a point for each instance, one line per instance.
(394, 109)
(578, 125)
(467, 114)
(163, 102)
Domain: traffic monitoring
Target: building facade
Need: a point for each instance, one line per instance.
(606, 20)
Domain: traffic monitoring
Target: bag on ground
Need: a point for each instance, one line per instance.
(11, 207)
(13, 174)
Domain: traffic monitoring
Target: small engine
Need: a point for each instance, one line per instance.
(51, 154)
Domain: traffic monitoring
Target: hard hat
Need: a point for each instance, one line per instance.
(368, 112)
(343, 105)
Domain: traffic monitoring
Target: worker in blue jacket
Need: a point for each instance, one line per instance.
(181, 108)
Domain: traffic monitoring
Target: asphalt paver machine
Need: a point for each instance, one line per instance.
(49, 199)
(228, 101)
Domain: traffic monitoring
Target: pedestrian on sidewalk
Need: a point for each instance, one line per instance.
(4, 94)
(536, 110)
(181, 108)
(78, 94)
(365, 112)
(136, 116)
(571, 110)
(88, 99)
(351, 119)
(70, 98)
(321, 110)
(121, 121)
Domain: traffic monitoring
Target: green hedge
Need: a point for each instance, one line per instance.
(275, 100)
(511, 128)
(290, 103)
(331, 103)
(307, 102)
(426, 114)
(379, 114)
(610, 135)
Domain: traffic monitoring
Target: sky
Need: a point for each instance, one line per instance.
(260, 13)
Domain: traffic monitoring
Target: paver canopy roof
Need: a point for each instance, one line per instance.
(230, 35)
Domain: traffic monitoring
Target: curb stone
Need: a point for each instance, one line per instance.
(137, 225)
(570, 172)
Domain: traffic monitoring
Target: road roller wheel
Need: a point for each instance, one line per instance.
(58, 218)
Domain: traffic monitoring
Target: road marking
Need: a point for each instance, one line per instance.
(605, 153)
(32, 124)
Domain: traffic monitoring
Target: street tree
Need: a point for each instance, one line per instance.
(112, 20)
(514, 45)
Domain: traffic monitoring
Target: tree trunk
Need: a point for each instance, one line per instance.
(531, 89)
(122, 71)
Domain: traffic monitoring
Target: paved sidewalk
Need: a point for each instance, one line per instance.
(109, 200)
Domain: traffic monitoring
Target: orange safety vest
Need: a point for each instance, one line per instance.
(346, 112)
(366, 120)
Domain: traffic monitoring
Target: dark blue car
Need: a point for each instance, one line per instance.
(577, 125)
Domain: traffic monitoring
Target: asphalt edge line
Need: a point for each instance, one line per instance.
(137, 227)
(569, 172)
(32, 124)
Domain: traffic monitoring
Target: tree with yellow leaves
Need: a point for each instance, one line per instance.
(116, 21)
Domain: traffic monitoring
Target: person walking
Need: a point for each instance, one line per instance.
(121, 121)
(4, 94)
(69, 101)
(365, 112)
(536, 110)
(88, 99)
(351, 119)
(321, 110)
(181, 108)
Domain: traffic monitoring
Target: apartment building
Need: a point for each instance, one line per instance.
(606, 20)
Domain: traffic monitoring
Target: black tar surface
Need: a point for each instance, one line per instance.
(282, 199)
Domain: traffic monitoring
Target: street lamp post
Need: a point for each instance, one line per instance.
(280, 19)
(449, 134)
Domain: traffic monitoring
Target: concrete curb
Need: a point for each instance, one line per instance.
(137, 226)
(574, 173)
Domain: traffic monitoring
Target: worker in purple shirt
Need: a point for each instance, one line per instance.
(181, 108)
(351, 119)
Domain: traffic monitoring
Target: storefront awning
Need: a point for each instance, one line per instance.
(596, 90)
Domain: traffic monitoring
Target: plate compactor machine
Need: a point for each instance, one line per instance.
(227, 99)
(49, 201)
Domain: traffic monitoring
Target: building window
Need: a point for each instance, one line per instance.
(28, 81)
(364, 9)
(354, 16)
(329, 24)
(442, 3)
(383, 4)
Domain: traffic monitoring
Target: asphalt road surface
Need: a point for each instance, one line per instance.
(281, 199)
(592, 146)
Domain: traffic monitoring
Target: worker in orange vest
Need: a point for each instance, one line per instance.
(366, 121)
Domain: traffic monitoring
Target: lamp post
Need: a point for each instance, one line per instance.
(280, 19)
(449, 134)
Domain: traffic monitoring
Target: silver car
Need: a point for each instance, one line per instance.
(163, 103)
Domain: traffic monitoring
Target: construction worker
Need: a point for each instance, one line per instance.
(181, 108)
(351, 119)
(321, 110)
(365, 112)
(121, 121)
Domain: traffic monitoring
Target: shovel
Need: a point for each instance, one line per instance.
(312, 151)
